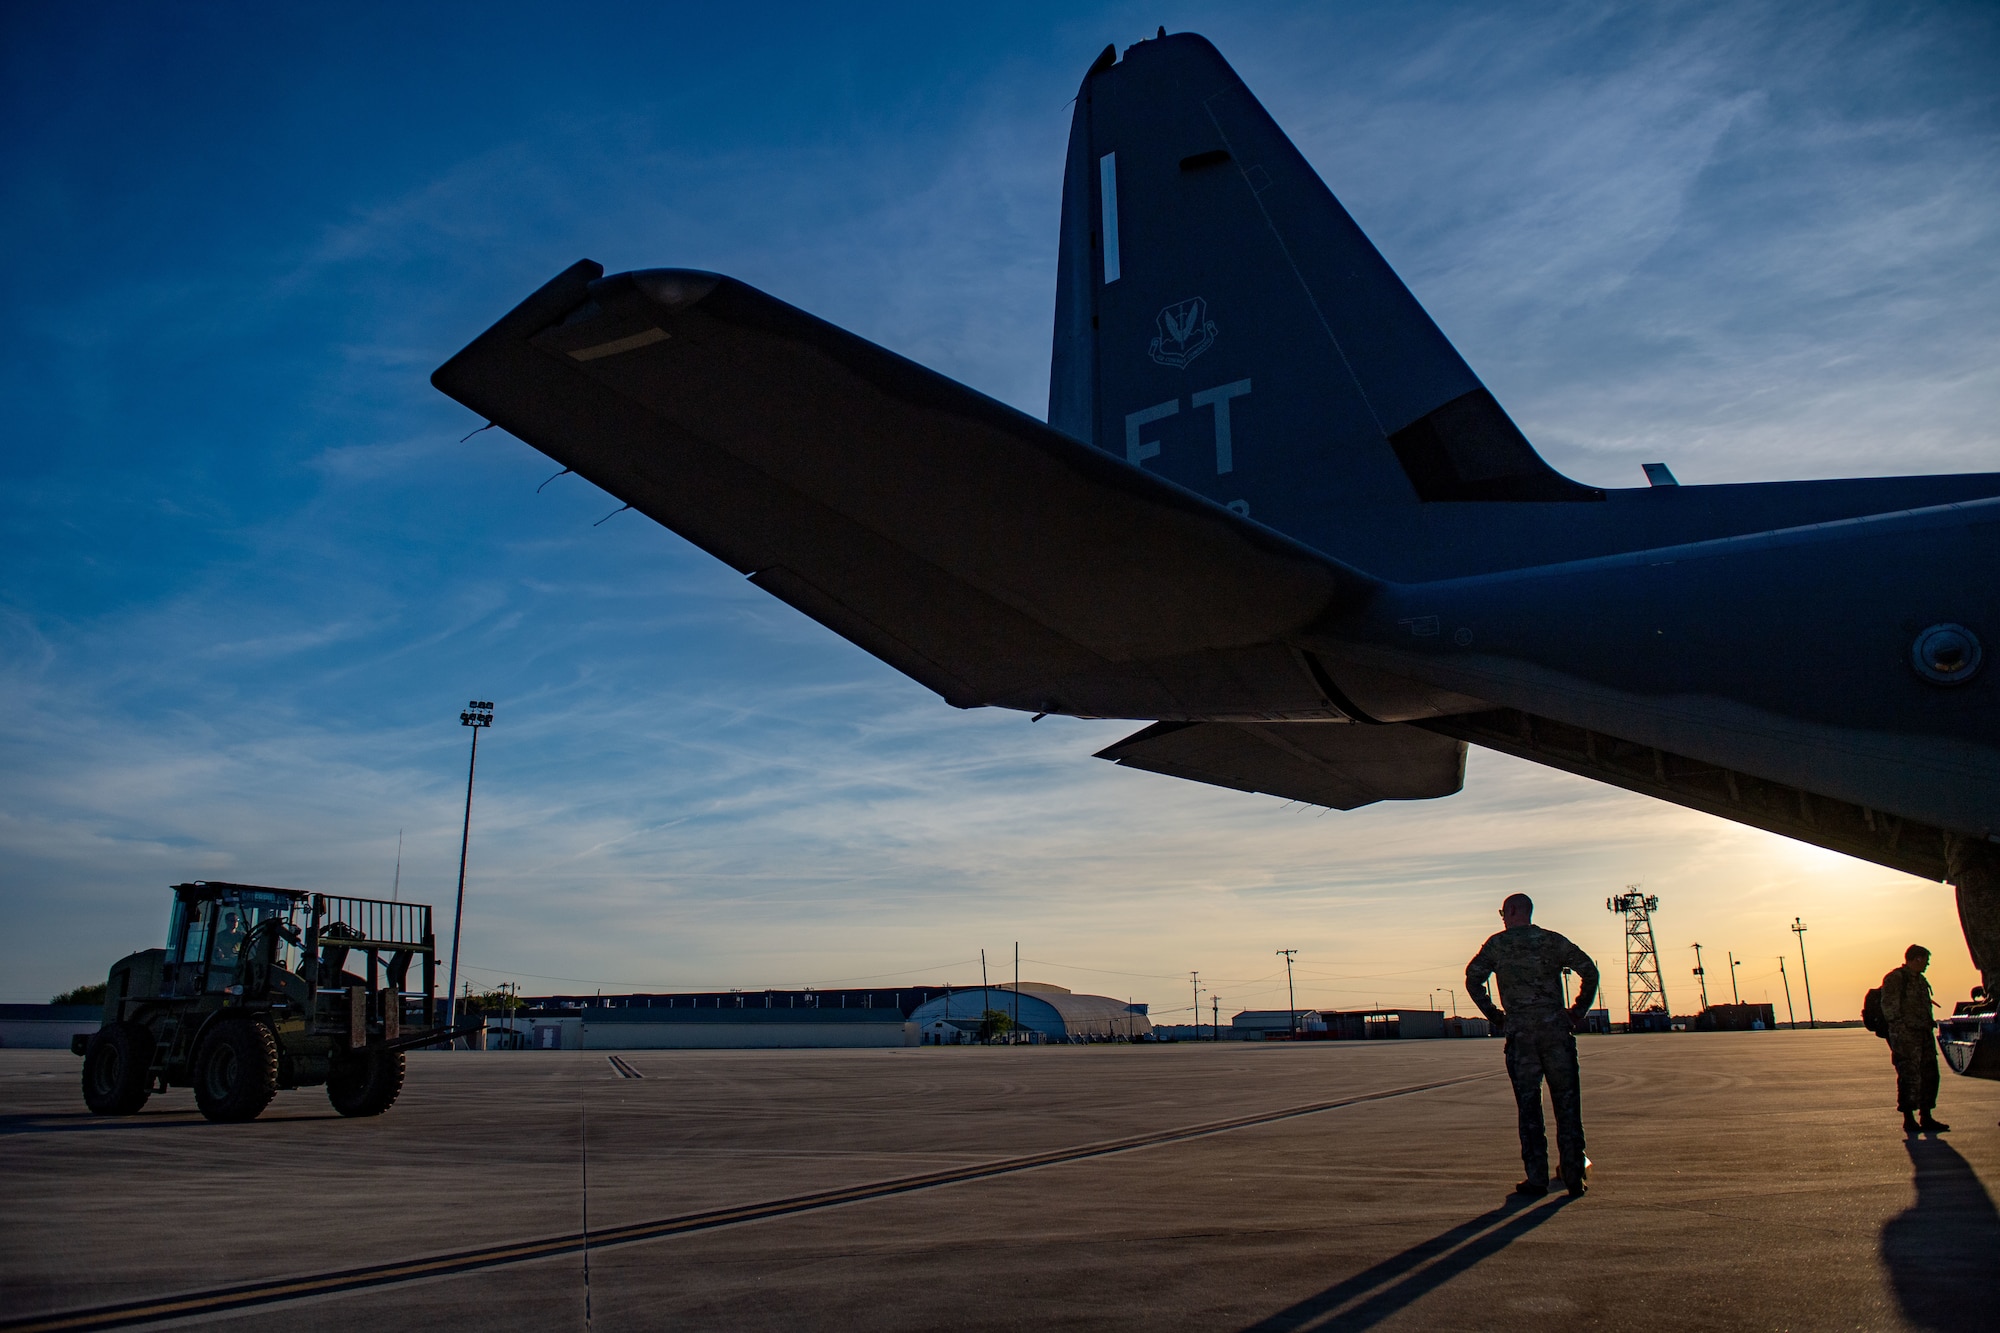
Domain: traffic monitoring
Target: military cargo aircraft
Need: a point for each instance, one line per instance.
(1274, 514)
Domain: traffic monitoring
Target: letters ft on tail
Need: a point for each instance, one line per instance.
(1275, 514)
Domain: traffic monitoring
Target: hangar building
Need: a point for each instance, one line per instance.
(1048, 1013)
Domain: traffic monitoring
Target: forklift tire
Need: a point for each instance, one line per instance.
(236, 1074)
(117, 1073)
(365, 1083)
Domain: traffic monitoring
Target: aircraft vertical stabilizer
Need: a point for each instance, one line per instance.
(1222, 321)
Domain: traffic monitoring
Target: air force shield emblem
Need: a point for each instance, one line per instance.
(1186, 332)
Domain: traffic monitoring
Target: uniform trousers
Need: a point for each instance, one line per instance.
(1547, 1051)
(1915, 1054)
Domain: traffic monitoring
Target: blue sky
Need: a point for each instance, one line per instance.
(252, 573)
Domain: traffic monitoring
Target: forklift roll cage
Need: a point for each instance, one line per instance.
(204, 956)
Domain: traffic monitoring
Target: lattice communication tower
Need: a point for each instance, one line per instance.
(1644, 991)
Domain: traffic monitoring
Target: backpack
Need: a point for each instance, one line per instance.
(1871, 1013)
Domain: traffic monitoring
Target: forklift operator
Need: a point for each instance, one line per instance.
(228, 939)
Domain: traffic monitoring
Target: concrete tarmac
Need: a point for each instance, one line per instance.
(1741, 1181)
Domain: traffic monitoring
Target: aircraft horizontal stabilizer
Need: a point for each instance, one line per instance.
(994, 559)
(1339, 765)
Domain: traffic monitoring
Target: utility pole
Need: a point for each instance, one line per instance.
(1788, 993)
(478, 716)
(1214, 1017)
(1454, 1001)
(1799, 929)
(1291, 996)
(985, 1028)
(1014, 1034)
(1734, 995)
(1702, 973)
(1194, 980)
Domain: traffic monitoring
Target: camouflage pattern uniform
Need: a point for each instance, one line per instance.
(1541, 1036)
(1906, 1011)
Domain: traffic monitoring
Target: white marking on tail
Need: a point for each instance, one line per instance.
(1107, 190)
(1137, 450)
(1225, 452)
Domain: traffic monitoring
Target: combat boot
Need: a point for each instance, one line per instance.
(1930, 1124)
(1910, 1125)
(1528, 1189)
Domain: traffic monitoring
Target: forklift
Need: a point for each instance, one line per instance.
(256, 991)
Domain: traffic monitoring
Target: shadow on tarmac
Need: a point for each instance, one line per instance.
(1940, 1250)
(75, 1122)
(1369, 1297)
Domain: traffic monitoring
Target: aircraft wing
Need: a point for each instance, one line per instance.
(990, 557)
(1339, 765)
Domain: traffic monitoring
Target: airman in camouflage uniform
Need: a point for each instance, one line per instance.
(1906, 1011)
(1541, 1034)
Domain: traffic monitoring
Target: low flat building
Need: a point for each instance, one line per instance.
(906, 1016)
(1736, 1018)
(905, 999)
(689, 1028)
(1203, 1032)
(1339, 1025)
(46, 1026)
(949, 1032)
(1263, 1022)
(1384, 1024)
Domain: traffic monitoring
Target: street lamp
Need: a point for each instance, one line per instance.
(1799, 929)
(478, 715)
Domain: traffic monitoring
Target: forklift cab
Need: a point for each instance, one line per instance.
(216, 930)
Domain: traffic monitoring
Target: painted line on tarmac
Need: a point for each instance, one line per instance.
(275, 1291)
(624, 1070)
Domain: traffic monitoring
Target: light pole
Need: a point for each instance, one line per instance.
(1799, 929)
(478, 715)
(1291, 996)
(1789, 1012)
(1734, 996)
(1701, 973)
(1194, 980)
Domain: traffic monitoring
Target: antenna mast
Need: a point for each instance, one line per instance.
(1645, 992)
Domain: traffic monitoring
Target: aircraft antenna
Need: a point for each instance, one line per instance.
(1645, 992)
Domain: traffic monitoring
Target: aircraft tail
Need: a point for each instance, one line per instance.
(1222, 321)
